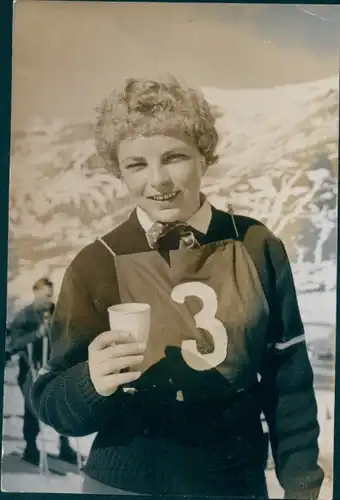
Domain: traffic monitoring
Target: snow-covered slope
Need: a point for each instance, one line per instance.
(278, 162)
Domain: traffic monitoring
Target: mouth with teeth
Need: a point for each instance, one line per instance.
(165, 197)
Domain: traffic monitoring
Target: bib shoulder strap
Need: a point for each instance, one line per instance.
(253, 234)
(108, 248)
(254, 247)
(231, 213)
(256, 237)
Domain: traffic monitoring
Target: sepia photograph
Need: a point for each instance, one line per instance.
(172, 250)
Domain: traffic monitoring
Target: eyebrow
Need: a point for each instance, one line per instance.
(134, 158)
(178, 150)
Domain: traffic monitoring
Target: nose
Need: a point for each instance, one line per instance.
(159, 176)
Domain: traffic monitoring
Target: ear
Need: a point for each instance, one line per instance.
(117, 173)
(124, 186)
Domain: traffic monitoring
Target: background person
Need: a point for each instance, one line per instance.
(30, 326)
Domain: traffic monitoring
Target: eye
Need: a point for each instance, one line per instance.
(175, 157)
(135, 165)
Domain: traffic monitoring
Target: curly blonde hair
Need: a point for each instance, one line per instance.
(146, 107)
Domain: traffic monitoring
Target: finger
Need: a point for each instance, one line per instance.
(108, 338)
(122, 350)
(114, 366)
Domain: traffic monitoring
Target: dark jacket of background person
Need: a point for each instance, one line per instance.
(24, 330)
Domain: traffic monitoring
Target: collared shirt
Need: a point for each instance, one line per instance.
(200, 220)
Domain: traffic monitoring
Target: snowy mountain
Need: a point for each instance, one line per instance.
(278, 163)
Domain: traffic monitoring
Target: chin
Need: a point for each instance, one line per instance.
(170, 215)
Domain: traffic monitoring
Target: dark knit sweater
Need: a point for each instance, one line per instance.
(147, 448)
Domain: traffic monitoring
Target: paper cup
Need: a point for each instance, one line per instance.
(132, 317)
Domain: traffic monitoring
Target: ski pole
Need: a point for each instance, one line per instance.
(44, 362)
(43, 464)
(79, 457)
(45, 351)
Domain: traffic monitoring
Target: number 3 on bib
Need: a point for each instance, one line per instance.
(205, 319)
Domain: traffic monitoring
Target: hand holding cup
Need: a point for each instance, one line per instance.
(121, 348)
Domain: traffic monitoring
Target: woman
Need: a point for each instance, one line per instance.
(191, 424)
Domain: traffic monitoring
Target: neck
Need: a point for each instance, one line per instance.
(201, 200)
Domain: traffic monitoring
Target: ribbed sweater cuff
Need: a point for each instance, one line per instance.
(91, 408)
(88, 393)
(302, 495)
(305, 488)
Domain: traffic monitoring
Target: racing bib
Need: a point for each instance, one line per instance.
(209, 313)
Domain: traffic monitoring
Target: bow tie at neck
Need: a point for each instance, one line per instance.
(180, 232)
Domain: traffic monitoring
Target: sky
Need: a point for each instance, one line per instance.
(68, 55)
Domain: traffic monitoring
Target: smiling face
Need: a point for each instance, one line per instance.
(163, 175)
